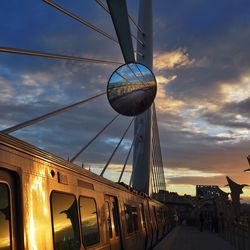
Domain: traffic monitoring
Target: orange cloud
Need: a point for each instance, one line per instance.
(236, 91)
(161, 79)
(167, 103)
(173, 59)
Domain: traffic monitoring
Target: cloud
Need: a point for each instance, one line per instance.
(173, 173)
(161, 79)
(166, 103)
(236, 91)
(173, 59)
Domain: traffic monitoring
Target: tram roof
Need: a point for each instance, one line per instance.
(24, 147)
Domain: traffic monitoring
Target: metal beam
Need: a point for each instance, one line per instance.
(119, 15)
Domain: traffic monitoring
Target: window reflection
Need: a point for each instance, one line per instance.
(65, 221)
(5, 235)
(89, 220)
(116, 218)
(128, 215)
(135, 218)
(109, 219)
(131, 215)
(90, 228)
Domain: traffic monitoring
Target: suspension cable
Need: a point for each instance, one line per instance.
(103, 6)
(158, 146)
(54, 56)
(130, 17)
(94, 138)
(126, 160)
(134, 74)
(140, 72)
(154, 172)
(139, 53)
(129, 152)
(137, 39)
(136, 24)
(156, 150)
(132, 174)
(132, 35)
(156, 163)
(79, 19)
(51, 114)
(117, 146)
(123, 77)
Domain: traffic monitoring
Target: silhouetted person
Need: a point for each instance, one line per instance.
(201, 221)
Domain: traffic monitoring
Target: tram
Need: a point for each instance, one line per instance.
(49, 203)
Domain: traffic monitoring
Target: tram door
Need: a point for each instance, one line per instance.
(7, 215)
(113, 222)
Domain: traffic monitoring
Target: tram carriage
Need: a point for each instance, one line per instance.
(49, 203)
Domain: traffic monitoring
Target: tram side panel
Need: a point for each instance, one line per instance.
(40, 223)
(77, 213)
(34, 198)
(153, 222)
(60, 204)
(133, 233)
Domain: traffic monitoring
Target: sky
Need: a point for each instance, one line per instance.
(201, 63)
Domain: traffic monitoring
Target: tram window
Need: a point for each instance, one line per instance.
(5, 233)
(128, 215)
(135, 218)
(109, 219)
(116, 218)
(65, 221)
(89, 221)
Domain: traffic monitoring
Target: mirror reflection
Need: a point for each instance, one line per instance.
(131, 89)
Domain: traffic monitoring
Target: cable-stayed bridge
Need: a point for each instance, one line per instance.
(48, 202)
(147, 172)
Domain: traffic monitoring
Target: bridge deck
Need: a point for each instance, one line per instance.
(190, 238)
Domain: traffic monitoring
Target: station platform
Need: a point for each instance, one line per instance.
(190, 238)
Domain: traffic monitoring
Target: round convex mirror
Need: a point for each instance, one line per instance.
(131, 89)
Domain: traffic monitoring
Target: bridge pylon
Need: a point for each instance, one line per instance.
(142, 162)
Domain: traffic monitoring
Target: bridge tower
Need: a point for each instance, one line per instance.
(142, 167)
